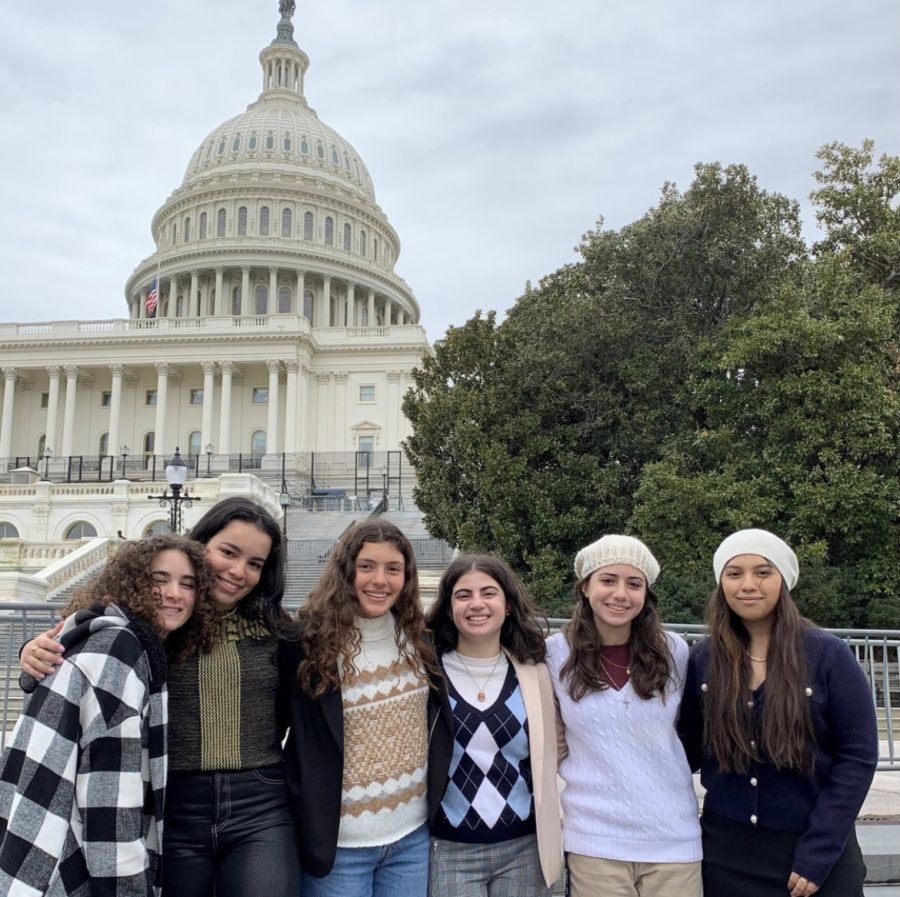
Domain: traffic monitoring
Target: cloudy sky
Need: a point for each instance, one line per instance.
(496, 132)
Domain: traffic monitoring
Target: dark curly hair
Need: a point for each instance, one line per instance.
(651, 665)
(127, 581)
(264, 602)
(525, 627)
(327, 618)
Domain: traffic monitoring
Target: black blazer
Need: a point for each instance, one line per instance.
(314, 760)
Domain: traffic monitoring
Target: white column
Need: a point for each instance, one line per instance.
(162, 395)
(303, 408)
(290, 407)
(340, 409)
(323, 403)
(325, 317)
(272, 418)
(6, 422)
(273, 291)
(52, 408)
(393, 410)
(371, 309)
(224, 447)
(115, 408)
(69, 412)
(388, 309)
(209, 369)
(192, 309)
(142, 303)
(351, 304)
(301, 289)
(220, 305)
(246, 306)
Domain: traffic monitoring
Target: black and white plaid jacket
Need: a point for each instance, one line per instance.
(82, 781)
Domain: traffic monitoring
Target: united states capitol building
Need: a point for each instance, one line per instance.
(267, 336)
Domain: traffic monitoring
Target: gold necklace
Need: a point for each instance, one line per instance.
(755, 659)
(481, 687)
(618, 666)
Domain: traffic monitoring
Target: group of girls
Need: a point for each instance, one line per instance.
(422, 753)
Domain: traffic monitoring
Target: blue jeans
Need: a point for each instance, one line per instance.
(230, 834)
(391, 870)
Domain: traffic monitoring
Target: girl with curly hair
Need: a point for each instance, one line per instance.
(357, 749)
(492, 753)
(631, 817)
(228, 821)
(83, 777)
(780, 720)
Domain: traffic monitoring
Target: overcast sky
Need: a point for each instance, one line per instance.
(496, 132)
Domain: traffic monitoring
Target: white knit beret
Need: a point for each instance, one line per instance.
(610, 550)
(763, 543)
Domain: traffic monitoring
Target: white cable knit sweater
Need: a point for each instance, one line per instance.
(629, 793)
(385, 742)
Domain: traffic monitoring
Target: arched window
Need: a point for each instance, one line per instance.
(236, 143)
(304, 146)
(308, 226)
(221, 149)
(308, 304)
(270, 141)
(347, 237)
(258, 443)
(284, 301)
(286, 222)
(159, 528)
(187, 229)
(103, 445)
(286, 143)
(194, 443)
(7, 530)
(242, 221)
(362, 242)
(320, 150)
(264, 221)
(149, 445)
(251, 143)
(329, 231)
(220, 223)
(202, 234)
(81, 530)
(236, 301)
(209, 151)
(174, 233)
(262, 300)
(334, 157)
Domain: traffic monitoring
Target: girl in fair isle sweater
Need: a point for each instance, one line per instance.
(630, 817)
(357, 750)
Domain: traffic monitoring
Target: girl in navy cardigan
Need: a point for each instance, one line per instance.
(778, 716)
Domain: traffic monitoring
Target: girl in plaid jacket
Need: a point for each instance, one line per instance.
(82, 780)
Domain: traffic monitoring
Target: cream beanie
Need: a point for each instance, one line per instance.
(763, 543)
(610, 550)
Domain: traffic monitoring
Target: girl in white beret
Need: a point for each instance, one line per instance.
(630, 814)
(778, 716)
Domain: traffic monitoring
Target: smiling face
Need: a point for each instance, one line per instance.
(237, 554)
(173, 581)
(752, 587)
(616, 594)
(478, 610)
(379, 577)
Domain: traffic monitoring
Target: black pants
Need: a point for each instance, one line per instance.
(230, 834)
(744, 861)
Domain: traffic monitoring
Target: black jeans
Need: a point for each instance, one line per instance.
(230, 834)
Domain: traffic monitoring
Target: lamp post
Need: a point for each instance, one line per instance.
(209, 454)
(48, 454)
(176, 475)
(123, 451)
(384, 495)
(285, 501)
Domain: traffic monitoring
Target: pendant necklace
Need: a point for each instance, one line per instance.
(479, 685)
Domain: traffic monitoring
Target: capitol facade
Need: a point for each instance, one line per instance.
(267, 330)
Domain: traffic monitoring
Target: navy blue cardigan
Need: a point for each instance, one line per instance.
(823, 805)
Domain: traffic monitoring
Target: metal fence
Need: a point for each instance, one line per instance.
(878, 653)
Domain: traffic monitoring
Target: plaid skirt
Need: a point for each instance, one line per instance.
(745, 861)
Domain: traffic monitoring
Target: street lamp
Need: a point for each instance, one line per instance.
(48, 454)
(176, 475)
(285, 502)
(384, 495)
(123, 451)
(209, 454)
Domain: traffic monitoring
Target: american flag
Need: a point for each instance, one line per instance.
(152, 298)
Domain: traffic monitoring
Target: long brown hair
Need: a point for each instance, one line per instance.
(127, 581)
(786, 732)
(650, 662)
(327, 619)
(524, 629)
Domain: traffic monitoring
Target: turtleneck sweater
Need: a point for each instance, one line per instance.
(383, 795)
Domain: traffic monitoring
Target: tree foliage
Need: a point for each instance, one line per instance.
(696, 371)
